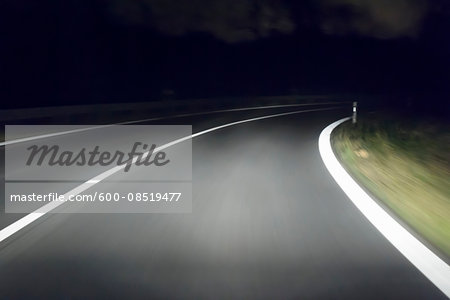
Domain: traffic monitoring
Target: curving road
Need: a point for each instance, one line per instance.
(267, 222)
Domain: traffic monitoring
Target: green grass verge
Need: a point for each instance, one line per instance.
(405, 164)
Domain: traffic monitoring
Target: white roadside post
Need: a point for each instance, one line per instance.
(355, 107)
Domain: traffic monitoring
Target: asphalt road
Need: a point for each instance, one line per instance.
(267, 222)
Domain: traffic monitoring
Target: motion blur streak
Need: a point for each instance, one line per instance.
(418, 254)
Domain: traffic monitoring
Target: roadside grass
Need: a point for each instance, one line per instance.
(405, 164)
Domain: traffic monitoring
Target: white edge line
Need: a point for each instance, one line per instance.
(31, 217)
(32, 138)
(434, 268)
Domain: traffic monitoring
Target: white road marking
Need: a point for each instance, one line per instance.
(28, 219)
(93, 181)
(434, 268)
(21, 140)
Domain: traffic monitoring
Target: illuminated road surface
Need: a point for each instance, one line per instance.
(268, 222)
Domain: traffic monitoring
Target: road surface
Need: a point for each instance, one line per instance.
(267, 222)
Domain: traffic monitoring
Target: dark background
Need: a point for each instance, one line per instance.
(79, 52)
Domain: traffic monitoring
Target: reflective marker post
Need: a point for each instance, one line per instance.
(355, 106)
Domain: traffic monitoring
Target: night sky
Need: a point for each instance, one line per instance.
(97, 51)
